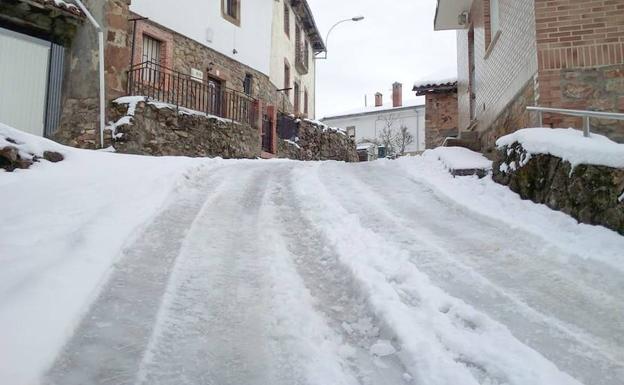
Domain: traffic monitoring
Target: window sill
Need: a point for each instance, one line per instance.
(492, 44)
(231, 19)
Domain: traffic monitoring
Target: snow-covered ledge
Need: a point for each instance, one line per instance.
(583, 177)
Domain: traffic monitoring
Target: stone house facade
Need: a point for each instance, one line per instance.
(517, 53)
(230, 46)
(440, 112)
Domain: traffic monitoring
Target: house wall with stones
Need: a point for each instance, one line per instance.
(80, 104)
(581, 60)
(440, 118)
(563, 54)
(315, 142)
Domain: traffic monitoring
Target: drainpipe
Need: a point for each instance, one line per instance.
(101, 69)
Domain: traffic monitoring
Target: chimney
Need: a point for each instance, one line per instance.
(378, 99)
(397, 95)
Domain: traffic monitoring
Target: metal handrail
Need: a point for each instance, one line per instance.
(586, 115)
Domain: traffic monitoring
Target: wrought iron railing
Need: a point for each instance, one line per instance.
(181, 90)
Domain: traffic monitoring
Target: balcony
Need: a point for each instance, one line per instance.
(302, 58)
(168, 86)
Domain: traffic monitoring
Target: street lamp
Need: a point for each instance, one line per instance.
(356, 19)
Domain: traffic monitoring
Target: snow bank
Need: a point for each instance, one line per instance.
(459, 158)
(488, 198)
(569, 145)
(63, 226)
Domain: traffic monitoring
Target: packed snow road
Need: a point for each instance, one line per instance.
(327, 273)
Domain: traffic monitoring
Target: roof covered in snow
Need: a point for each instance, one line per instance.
(435, 86)
(59, 4)
(410, 104)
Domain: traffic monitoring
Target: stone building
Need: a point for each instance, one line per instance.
(440, 111)
(212, 56)
(517, 53)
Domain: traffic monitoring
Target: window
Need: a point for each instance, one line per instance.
(491, 12)
(306, 53)
(230, 9)
(151, 56)
(287, 78)
(494, 17)
(305, 102)
(297, 98)
(247, 84)
(286, 19)
(351, 132)
(151, 50)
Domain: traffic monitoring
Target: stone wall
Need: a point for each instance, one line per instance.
(440, 118)
(591, 194)
(168, 132)
(80, 103)
(514, 117)
(597, 89)
(316, 142)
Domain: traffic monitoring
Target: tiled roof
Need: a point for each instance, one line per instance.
(428, 87)
(63, 5)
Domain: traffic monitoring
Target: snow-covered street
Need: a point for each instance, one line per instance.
(282, 272)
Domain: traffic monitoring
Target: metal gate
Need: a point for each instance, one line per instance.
(267, 133)
(24, 68)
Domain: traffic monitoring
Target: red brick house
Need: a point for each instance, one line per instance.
(551, 53)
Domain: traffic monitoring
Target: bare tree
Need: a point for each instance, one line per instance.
(403, 139)
(387, 135)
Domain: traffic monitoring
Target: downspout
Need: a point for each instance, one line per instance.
(101, 68)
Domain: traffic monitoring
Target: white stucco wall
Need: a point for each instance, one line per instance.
(201, 20)
(284, 47)
(369, 126)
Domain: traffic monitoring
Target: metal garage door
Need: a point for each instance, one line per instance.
(24, 62)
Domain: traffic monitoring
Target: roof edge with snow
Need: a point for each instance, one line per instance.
(433, 87)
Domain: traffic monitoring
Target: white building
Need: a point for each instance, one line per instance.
(245, 36)
(368, 124)
(295, 41)
(278, 38)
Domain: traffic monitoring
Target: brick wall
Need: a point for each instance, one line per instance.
(440, 118)
(581, 60)
(503, 67)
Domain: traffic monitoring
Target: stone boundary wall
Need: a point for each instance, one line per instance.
(513, 118)
(591, 194)
(318, 142)
(165, 131)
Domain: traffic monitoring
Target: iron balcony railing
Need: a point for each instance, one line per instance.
(168, 86)
(586, 115)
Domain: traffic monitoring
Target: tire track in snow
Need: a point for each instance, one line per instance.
(445, 341)
(337, 296)
(234, 312)
(212, 328)
(416, 223)
(108, 344)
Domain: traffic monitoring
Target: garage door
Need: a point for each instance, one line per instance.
(24, 62)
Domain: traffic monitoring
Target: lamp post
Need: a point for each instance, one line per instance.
(356, 19)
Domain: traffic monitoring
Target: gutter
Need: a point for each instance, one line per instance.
(101, 68)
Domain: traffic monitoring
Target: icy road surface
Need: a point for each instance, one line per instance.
(258, 273)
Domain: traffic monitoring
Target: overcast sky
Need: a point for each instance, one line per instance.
(395, 42)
